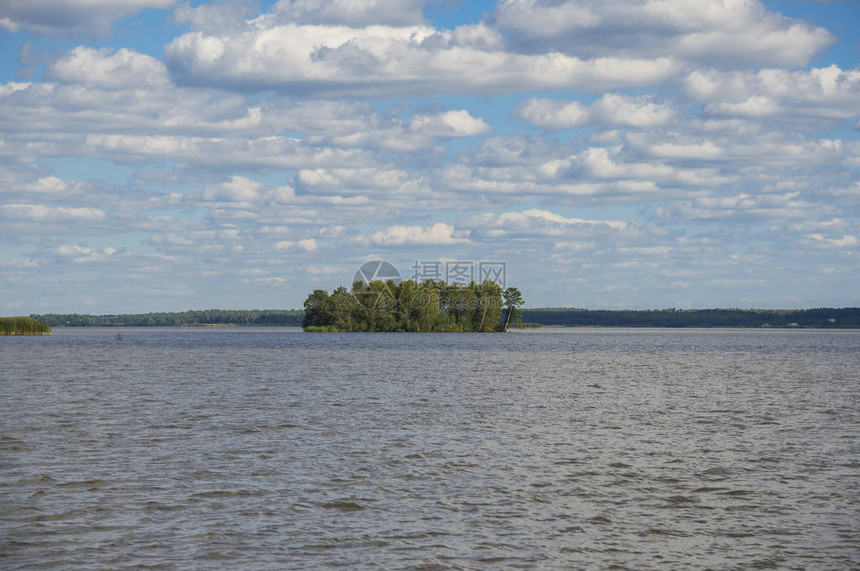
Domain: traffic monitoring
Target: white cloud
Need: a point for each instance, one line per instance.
(216, 16)
(554, 114)
(350, 12)
(238, 189)
(82, 255)
(108, 69)
(828, 92)
(304, 245)
(123, 101)
(745, 207)
(19, 263)
(537, 222)
(13, 86)
(438, 234)
(754, 147)
(845, 241)
(642, 112)
(724, 31)
(608, 163)
(386, 60)
(612, 109)
(18, 182)
(56, 213)
(70, 16)
(463, 124)
(422, 131)
(118, 114)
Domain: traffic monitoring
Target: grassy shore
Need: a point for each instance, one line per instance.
(23, 326)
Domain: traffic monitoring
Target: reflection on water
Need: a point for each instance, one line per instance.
(271, 448)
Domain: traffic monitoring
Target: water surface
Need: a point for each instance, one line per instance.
(272, 448)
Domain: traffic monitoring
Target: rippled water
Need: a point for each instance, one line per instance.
(272, 448)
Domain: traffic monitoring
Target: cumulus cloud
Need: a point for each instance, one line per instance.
(745, 207)
(305, 245)
(844, 241)
(119, 104)
(53, 213)
(554, 114)
(350, 12)
(216, 16)
(65, 17)
(612, 109)
(18, 182)
(759, 147)
(83, 255)
(123, 103)
(452, 123)
(238, 189)
(108, 69)
(537, 222)
(419, 132)
(601, 163)
(19, 263)
(730, 32)
(438, 234)
(387, 60)
(829, 93)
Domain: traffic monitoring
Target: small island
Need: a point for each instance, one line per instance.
(409, 306)
(23, 326)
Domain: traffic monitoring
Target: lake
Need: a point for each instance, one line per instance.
(272, 448)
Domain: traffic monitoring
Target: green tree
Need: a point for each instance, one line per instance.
(513, 300)
(340, 308)
(383, 311)
(489, 307)
(462, 302)
(317, 310)
(426, 305)
(407, 313)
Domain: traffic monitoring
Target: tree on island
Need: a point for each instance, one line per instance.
(409, 306)
(513, 301)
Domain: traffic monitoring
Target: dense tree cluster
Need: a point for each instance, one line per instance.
(428, 306)
(168, 319)
(23, 326)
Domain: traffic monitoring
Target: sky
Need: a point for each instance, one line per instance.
(159, 155)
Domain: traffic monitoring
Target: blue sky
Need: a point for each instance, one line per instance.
(158, 155)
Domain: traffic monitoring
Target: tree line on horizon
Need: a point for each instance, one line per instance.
(824, 317)
(847, 317)
(410, 306)
(271, 317)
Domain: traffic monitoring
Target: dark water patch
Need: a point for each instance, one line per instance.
(664, 531)
(707, 489)
(678, 500)
(343, 505)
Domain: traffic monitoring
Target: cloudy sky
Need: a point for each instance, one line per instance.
(162, 155)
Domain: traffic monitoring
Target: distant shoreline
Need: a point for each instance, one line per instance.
(818, 318)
